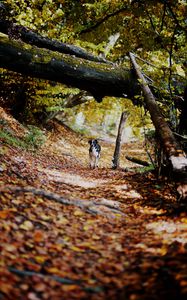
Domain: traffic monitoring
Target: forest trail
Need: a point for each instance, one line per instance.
(121, 236)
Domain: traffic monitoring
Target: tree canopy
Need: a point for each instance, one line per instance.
(154, 31)
(68, 231)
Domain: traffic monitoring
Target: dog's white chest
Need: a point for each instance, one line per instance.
(94, 152)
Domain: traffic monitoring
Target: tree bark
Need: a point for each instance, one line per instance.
(30, 37)
(183, 115)
(102, 206)
(117, 150)
(138, 161)
(174, 153)
(97, 78)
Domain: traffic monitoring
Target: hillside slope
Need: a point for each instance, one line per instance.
(68, 232)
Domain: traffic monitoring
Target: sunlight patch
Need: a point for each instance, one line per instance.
(129, 193)
(169, 231)
(133, 194)
(72, 179)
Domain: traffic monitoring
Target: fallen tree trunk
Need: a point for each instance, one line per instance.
(138, 161)
(174, 153)
(30, 37)
(97, 78)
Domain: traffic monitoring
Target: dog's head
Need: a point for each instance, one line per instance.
(93, 142)
(94, 147)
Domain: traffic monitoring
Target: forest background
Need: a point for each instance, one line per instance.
(153, 30)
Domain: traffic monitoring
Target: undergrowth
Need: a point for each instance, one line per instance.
(33, 140)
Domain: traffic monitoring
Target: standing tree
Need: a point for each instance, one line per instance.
(117, 151)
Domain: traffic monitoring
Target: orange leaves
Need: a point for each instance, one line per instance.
(5, 287)
(38, 236)
(4, 214)
(58, 241)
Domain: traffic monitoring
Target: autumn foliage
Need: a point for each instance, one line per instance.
(121, 235)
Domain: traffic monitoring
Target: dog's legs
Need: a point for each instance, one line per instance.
(92, 163)
(96, 162)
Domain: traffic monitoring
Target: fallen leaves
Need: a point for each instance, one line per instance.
(4, 214)
(38, 236)
(50, 250)
(27, 225)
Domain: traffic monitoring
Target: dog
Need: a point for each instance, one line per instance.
(94, 153)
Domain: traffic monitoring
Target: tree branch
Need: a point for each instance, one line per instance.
(138, 161)
(97, 78)
(99, 206)
(67, 281)
(174, 16)
(163, 16)
(30, 37)
(102, 20)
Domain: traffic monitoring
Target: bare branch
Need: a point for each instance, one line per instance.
(93, 26)
(99, 206)
(174, 16)
(67, 281)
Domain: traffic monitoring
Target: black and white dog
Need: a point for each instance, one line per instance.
(94, 153)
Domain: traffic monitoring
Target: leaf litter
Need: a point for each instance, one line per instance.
(130, 244)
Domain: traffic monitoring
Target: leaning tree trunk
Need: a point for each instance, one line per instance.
(174, 153)
(116, 158)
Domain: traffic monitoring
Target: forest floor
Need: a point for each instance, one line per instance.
(68, 232)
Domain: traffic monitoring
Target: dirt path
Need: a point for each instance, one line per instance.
(128, 242)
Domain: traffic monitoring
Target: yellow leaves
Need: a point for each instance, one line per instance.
(96, 237)
(184, 220)
(76, 249)
(10, 247)
(27, 225)
(53, 270)
(180, 71)
(87, 227)
(62, 221)
(45, 217)
(163, 250)
(78, 213)
(40, 259)
(40, 200)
